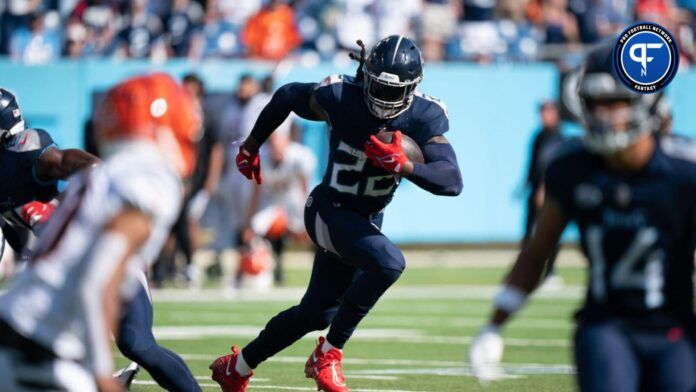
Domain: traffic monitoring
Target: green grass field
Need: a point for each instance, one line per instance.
(415, 339)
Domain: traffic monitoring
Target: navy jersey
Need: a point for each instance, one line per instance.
(350, 178)
(637, 231)
(18, 158)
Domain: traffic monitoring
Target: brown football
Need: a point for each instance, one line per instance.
(411, 148)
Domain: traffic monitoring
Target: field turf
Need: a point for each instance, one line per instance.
(415, 339)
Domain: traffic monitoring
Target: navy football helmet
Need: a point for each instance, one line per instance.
(599, 83)
(391, 73)
(11, 121)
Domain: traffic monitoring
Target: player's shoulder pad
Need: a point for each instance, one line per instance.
(679, 147)
(568, 149)
(567, 164)
(329, 80)
(328, 92)
(335, 83)
(435, 104)
(330, 86)
(430, 118)
(337, 79)
(570, 155)
(30, 139)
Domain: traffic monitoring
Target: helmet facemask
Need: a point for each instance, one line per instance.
(611, 130)
(385, 95)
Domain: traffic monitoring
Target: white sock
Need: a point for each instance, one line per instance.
(241, 366)
(328, 346)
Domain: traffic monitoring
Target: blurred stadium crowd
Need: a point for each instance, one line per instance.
(38, 31)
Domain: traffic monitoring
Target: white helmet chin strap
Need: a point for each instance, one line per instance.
(386, 111)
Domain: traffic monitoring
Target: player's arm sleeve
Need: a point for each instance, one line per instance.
(528, 270)
(292, 97)
(440, 173)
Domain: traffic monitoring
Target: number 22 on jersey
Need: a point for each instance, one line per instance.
(358, 166)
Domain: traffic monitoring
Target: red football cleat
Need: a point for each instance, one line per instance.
(325, 369)
(225, 374)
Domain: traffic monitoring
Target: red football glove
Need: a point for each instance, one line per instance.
(36, 212)
(389, 156)
(249, 164)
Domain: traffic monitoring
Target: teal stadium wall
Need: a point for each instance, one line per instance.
(492, 109)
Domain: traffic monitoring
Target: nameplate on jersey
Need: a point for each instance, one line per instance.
(343, 146)
(588, 196)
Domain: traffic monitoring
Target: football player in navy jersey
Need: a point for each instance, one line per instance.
(632, 195)
(31, 165)
(355, 263)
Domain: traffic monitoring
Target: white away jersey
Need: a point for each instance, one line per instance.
(47, 302)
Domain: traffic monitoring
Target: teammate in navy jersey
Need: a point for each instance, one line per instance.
(632, 195)
(355, 263)
(31, 165)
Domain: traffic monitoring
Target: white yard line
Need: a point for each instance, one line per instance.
(523, 369)
(207, 331)
(291, 294)
(510, 370)
(388, 362)
(366, 334)
(372, 361)
(458, 258)
(563, 322)
(372, 377)
(351, 361)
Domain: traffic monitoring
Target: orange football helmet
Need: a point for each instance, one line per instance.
(256, 257)
(152, 107)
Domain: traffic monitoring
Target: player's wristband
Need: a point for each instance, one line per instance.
(510, 299)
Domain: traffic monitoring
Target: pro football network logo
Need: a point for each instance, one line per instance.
(646, 57)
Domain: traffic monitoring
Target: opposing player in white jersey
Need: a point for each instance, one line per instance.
(56, 317)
